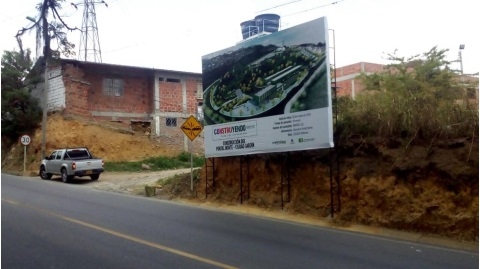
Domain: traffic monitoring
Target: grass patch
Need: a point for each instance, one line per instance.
(156, 164)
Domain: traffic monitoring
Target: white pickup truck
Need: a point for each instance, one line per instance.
(70, 163)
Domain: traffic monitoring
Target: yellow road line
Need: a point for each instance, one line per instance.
(131, 238)
(9, 201)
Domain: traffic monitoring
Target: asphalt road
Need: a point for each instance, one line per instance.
(48, 224)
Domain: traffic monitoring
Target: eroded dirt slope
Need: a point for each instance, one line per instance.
(112, 142)
(427, 189)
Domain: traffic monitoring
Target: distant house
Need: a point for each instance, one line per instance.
(347, 82)
(159, 99)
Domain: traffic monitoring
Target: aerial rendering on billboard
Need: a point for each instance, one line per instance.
(269, 94)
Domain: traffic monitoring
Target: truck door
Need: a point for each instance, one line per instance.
(49, 167)
(56, 163)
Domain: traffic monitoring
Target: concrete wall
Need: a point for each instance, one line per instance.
(56, 94)
(175, 98)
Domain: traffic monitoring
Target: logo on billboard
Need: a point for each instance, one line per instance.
(244, 129)
(304, 140)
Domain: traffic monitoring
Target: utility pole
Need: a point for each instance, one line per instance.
(461, 47)
(46, 56)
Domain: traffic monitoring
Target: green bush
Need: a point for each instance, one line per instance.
(156, 163)
(418, 98)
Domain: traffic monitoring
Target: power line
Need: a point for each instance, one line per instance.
(284, 4)
(17, 16)
(306, 10)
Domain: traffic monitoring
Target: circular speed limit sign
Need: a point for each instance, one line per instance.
(25, 140)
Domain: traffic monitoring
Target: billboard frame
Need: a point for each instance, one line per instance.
(261, 110)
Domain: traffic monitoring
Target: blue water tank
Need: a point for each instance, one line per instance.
(248, 28)
(267, 22)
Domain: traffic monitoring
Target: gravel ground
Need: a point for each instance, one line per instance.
(132, 182)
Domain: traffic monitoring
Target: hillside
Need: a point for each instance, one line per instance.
(411, 189)
(110, 141)
(430, 188)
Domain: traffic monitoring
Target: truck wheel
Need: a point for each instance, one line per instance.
(65, 177)
(43, 174)
(94, 177)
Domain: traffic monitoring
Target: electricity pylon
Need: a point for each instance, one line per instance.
(89, 49)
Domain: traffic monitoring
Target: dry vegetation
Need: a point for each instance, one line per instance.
(431, 189)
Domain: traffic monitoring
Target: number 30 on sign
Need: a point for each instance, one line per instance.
(25, 140)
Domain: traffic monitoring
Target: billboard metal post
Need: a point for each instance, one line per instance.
(244, 192)
(332, 207)
(285, 180)
(209, 177)
(334, 152)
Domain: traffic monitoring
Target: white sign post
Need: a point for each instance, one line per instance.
(191, 165)
(25, 140)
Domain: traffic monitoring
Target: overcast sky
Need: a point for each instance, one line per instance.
(175, 34)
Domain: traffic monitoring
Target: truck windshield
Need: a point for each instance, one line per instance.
(77, 154)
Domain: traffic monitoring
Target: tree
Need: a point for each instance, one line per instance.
(48, 28)
(15, 68)
(20, 111)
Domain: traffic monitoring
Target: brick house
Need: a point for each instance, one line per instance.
(160, 100)
(347, 82)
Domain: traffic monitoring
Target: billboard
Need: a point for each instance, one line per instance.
(269, 94)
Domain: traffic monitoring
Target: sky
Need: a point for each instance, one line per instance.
(175, 34)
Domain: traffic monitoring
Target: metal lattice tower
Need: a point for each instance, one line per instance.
(89, 49)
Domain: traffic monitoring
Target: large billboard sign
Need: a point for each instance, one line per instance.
(269, 94)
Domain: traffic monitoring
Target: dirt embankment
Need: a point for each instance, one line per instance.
(401, 188)
(430, 188)
(110, 141)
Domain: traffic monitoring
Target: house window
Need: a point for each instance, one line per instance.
(171, 122)
(174, 80)
(113, 86)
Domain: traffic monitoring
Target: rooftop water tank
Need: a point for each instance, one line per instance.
(267, 22)
(248, 28)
